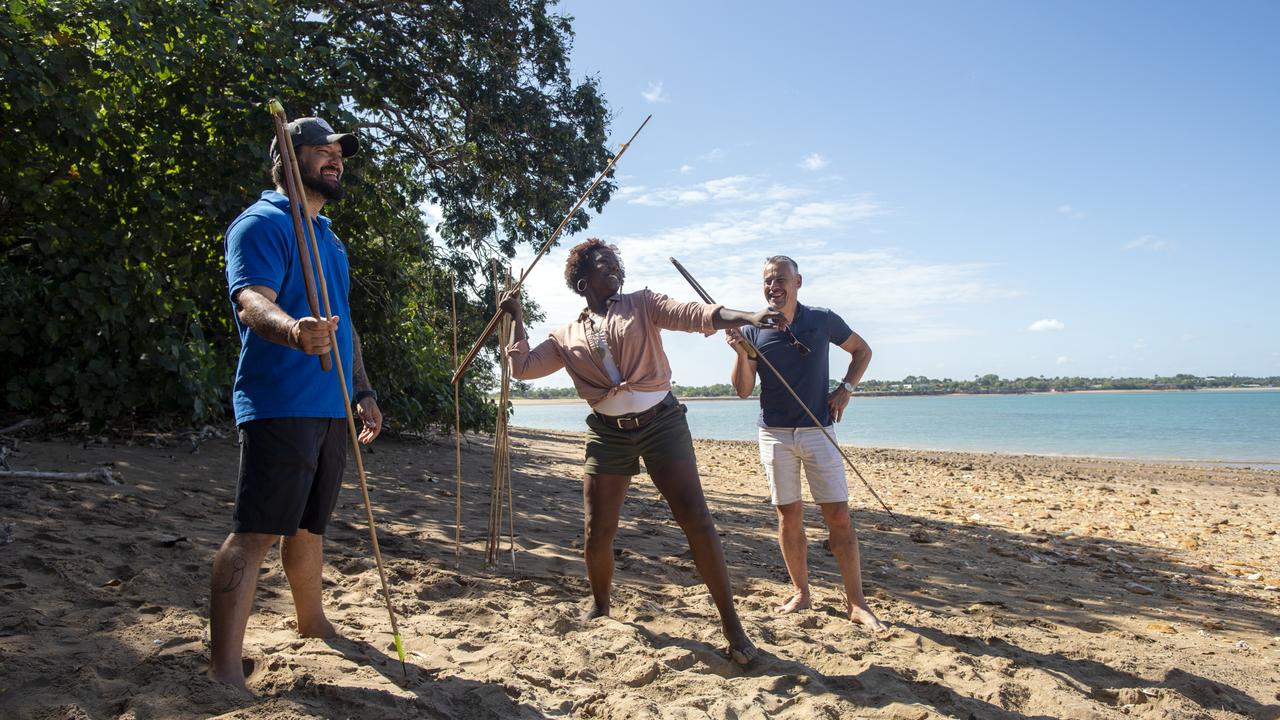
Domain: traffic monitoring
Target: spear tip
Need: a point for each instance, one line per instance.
(400, 652)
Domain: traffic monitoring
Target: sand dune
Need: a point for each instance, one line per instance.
(1017, 586)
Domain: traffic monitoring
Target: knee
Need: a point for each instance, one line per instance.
(247, 546)
(791, 516)
(839, 525)
(694, 520)
(599, 532)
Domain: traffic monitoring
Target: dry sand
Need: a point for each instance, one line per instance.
(1017, 587)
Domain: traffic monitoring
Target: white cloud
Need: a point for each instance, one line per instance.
(829, 214)
(686, 169)
(1070, 212)
(1146, 242)
(655, 93)
(1046, 326)
(712, 155)
(891, 298)
(1064, 360)
(735, 188)
(1140, 344)
(814, 161)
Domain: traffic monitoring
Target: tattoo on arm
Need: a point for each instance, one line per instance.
(359, 379)
(264, 317)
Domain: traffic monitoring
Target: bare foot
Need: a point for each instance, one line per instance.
(594, 611)
(799, 601)
(233, 677)
(743, 651)
(321, 628)
(862, 615)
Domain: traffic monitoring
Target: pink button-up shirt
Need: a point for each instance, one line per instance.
(631, 326)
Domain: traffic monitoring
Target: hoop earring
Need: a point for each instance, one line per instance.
(581, 284)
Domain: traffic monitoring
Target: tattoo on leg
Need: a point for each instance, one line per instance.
(236, 576)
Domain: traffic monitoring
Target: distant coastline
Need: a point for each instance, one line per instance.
(909, 393)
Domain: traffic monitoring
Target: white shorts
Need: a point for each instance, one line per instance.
(784, 450)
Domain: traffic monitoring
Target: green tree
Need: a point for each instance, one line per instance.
(134, 131)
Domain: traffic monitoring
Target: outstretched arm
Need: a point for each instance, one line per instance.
(527, 364)
(256, 307)
(726, 318)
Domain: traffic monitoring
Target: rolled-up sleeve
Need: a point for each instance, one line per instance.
(671, 314)
(539, 362)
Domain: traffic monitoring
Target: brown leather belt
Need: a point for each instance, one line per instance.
(638, 420)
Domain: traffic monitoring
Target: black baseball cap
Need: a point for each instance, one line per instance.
(314, 131)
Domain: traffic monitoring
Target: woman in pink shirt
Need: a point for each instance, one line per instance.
(613, 352)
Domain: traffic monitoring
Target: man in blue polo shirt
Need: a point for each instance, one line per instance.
(289, 412)
(788, 438)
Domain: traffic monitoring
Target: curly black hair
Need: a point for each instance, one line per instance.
(575, 266)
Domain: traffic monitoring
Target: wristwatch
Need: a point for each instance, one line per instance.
(362, 394)
(848, 387)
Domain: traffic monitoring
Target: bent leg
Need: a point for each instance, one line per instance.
(231, 587)
(844, 545)
(602, 497)
(303, 558)
(795, 551)
(679, 484)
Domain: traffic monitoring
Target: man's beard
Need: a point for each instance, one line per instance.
(330, 189)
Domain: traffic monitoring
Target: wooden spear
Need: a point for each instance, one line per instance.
(497, 316)
(457, 430)
(753, 350)
(295, 209)
(290, 160)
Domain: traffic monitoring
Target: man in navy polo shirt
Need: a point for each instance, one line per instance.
(788, 438)
(289, 412)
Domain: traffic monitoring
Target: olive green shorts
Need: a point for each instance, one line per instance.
(611, 451)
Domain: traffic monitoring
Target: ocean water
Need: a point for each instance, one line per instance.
(1238, 427)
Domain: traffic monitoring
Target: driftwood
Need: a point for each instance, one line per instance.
(100, 474)
(29, 422)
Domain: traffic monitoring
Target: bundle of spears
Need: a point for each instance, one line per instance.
(501, 448)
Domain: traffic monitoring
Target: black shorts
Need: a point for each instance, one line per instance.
(290, 474)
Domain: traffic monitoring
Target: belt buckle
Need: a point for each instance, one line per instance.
(623, 420)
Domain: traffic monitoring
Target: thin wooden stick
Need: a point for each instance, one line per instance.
(494, 534)
(99, 475)
(457, 430)
(706, 297)
(293, 187)
(288, 156)
(506, 435)
(497, 316)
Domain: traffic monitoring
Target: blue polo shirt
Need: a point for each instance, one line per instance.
(807, 375)
(273, 380)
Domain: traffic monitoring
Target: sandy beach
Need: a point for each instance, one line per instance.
(1016, 586)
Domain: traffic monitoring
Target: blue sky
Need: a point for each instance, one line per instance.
(1018, 188)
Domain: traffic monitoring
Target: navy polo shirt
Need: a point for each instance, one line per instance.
(807, 374)
(273, 380)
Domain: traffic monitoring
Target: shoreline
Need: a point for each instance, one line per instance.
(877, 393)
(1266, 466)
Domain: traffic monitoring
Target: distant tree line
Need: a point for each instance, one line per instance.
(985, 384)
(992, 383)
